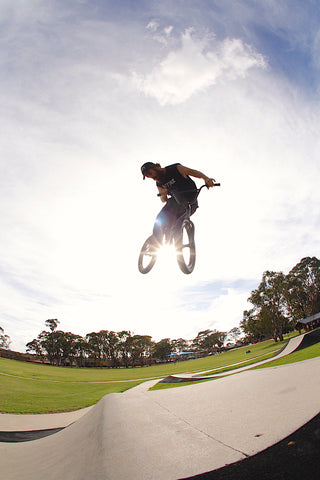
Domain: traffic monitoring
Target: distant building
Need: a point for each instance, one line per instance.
(308, 323)
(180, 356)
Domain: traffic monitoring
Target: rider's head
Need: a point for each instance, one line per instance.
(150, 170)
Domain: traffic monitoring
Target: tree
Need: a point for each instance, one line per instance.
(199, 340)
(252, 326)
(179, 345)
(95, 347)
(80, 351)
(234, 334)
(269, 304)
(4, 340)
(303, 288)
(162, 349)
(140, 349)
(217, 339)
(105, 347)
(111, 347)
(60, 348)
(124, 346)
(281, 300)
(49, 341)
(66, 347)
(52, 324)
(209, 340)
(36, 347)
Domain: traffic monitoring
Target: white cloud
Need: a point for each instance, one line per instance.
(168, 30)
(74, 132)
(226, 312)
(193, 68)
(153, 26)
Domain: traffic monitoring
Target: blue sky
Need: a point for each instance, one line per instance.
(89, 92)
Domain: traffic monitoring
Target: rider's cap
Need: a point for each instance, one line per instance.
(146, 167)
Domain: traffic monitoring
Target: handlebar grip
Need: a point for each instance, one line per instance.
(216, 184)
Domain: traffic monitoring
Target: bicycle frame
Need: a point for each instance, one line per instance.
(183, 227)
(187, 213)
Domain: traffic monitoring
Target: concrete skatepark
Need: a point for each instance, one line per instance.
(168, 434)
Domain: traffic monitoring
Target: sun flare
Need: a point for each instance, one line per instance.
(167, 259)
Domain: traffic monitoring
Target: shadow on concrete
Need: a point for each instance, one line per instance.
(27, 436)
(294, 458)
(309, 339)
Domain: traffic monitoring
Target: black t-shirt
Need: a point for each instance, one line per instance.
(182, 189)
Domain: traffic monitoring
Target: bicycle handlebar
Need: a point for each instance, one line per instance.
(205, 185)
(198, 190)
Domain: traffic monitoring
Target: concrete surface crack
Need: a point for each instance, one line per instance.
(199, 429)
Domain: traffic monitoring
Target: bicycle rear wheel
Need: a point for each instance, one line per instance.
(147, 256)
(185, 247)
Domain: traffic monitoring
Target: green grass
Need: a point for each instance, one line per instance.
(304, 354)
(248, 355)
(245, 363)
(299, 356)
(47, 372)
(33, 388)
(31, 396)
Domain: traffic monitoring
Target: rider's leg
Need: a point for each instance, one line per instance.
(188, 211)
(166, 219)
(194, 207)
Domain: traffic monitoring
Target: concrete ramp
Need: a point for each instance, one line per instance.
(43, 421)
(292, 345)
(175, 433)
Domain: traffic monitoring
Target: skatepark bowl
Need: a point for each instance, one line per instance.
(190, 432)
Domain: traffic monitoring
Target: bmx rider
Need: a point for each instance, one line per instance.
(176, 190)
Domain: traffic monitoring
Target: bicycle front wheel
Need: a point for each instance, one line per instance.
(185, 247)
(148, 256)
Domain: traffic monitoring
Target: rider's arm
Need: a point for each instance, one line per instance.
(163, 192)
(195, 173)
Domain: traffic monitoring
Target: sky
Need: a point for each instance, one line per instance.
(92, 89)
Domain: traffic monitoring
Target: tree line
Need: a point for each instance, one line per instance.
(281, 300)
(4, 339)
(278, 302)
(116, 349)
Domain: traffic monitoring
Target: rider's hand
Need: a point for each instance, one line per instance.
(209, 182)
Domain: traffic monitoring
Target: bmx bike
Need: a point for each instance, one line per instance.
(181, 235)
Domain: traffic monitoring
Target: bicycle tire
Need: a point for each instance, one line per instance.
(147, 253)
(185, 247)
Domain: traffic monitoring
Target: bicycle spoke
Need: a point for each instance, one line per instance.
(185, 247)
(147, 257)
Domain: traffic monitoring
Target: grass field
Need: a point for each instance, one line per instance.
(305, 354)
(299, 356)
(47, 372)
(32, 396)
(33, 388)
